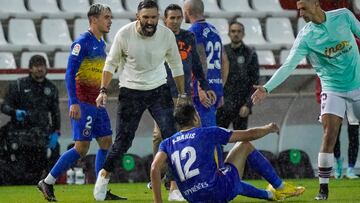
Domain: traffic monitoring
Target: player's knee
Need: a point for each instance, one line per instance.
(105, 142)
(82, 147)
(246, 145)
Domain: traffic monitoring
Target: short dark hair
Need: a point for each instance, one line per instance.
(184, 114)
(96, 9)
(147, 4)
(234, 22)
(172, 7)
(37, 60)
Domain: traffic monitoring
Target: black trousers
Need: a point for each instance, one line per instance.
(132, 104)
(230, 114)
(353, 148)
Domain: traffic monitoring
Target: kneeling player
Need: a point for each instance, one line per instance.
(196, 170)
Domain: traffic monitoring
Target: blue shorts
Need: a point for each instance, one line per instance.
(228, 184)
(93, 123)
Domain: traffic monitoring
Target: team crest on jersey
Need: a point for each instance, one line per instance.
(86, 132)
(240, 59)
(76, 50)
(47, 91)
(323, 96)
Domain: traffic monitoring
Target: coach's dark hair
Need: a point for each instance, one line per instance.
(96, 9)
(147, 4)
(37, 60)
(172, 7)
(184, 115)
(234, 22)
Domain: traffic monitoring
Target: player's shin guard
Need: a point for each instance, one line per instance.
(100, 159)
(263, 167)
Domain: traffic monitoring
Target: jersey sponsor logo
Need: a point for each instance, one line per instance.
(335, 50)
(76, 50)
(215, 81)
(196, 188)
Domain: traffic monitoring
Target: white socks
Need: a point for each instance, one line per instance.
(50, 180)
(325, 163)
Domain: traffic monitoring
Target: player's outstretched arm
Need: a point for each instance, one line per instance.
(253, 133)
(155, 174)
(259, 94)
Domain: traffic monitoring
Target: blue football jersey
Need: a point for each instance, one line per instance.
(193, 161)
(207, 35)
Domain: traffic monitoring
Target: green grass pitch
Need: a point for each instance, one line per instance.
(340, 191)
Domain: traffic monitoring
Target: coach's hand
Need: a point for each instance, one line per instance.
(101, 100)
(75, 112)
(259, 94)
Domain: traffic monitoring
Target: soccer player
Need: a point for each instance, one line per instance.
(192, 69)
(210, 49)
(328, 42)
(83, 78)
(190, 153)
(214, 63)
(139, 51)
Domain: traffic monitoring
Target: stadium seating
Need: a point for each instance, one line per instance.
(77, 8)
(221, 24)
(80, 25)
(25, 58)
(254, 35)
(115, 27)
(55, 33)
(284, 54)
(22, 32)
(356, 6)
(3, 41)
(164, 3)
(131, 5)
(212, 10)
(117, 9)
(15, 8)
(240, 8)
(46, 8)
(266, 57)
(7, 60)
(280, 32)
(60, 59)
(272, 8)
(300, 24)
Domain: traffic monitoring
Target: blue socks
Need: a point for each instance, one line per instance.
(65, 161)
(263, 167)
(99, 160)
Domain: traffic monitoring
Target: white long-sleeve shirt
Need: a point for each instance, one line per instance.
(140, 60)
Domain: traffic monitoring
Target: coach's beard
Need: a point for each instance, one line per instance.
(145, 29)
